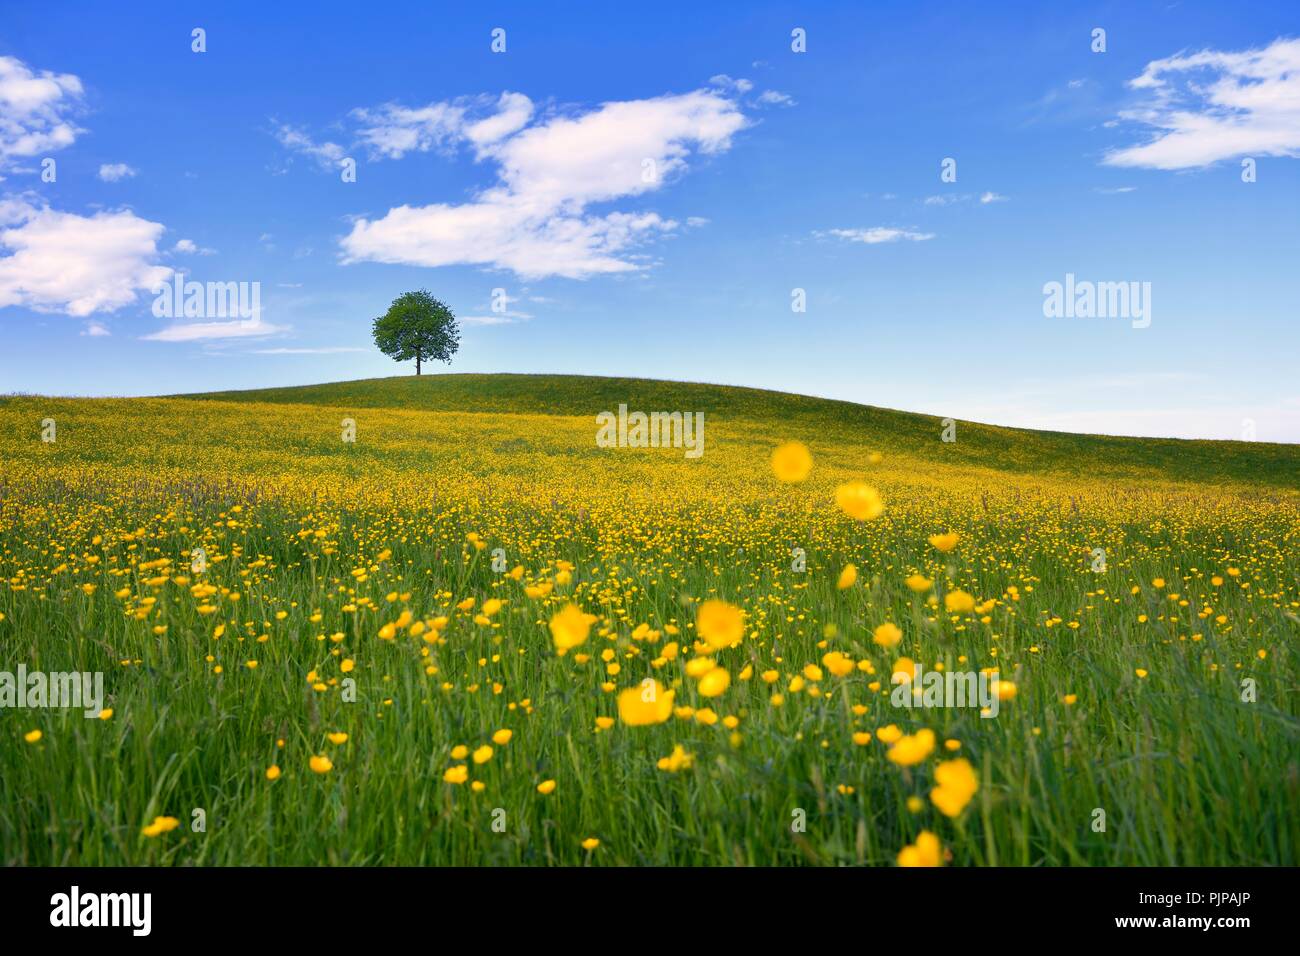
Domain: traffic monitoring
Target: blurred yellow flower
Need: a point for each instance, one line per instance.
(648, 703)
(859, 500)
(956, 784)
(791, 462)
(944, 542)
(714, 683)
(958, 602)
(910, 750)
(887, 635)
(160, 825)
(679, 759)
(926, 851)
(719, 624)
(570, 628)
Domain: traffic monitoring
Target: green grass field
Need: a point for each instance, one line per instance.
(1157, 683)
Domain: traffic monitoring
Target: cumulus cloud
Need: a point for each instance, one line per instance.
(1209, 106)
(53, 261)
(114, 172)
(877, 234)
(188, 247)
(535, 220)
(988, 197)
(35, 110)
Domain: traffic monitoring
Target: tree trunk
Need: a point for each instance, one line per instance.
(417, 363)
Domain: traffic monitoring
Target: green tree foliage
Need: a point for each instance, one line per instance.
(417, 326)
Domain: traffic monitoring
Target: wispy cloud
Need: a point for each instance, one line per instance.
(328, 155)
(951, 199)
(327, 350)
(494, 319)
(1210, 106)
(877, 234)
(775, 98)
(202, 331)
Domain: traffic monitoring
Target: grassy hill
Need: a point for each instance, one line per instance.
(351, 620)
(1016, 450)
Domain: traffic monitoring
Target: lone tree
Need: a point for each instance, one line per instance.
(417, 326)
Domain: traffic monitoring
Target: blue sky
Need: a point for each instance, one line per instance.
(648, 186)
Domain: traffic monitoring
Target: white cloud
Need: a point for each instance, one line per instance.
(877, 234)
(328, 350)
(34, 110)
(514, 110)
(949, 199)
(188, 247)
(78, 265)
(114, 172)
(391, 131)
(775, 98)
(501, 319)
(95, 329)
(327, 154)
(199, 331)
(722, 81)
(1210, 106)
(534, 221)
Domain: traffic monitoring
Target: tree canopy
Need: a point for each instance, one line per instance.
(417, 326)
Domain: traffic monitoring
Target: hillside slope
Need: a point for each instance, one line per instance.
(787, 415)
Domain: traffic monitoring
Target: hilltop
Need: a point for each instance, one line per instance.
(782, 414)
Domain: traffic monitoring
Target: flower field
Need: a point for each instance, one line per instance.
(472, 636)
